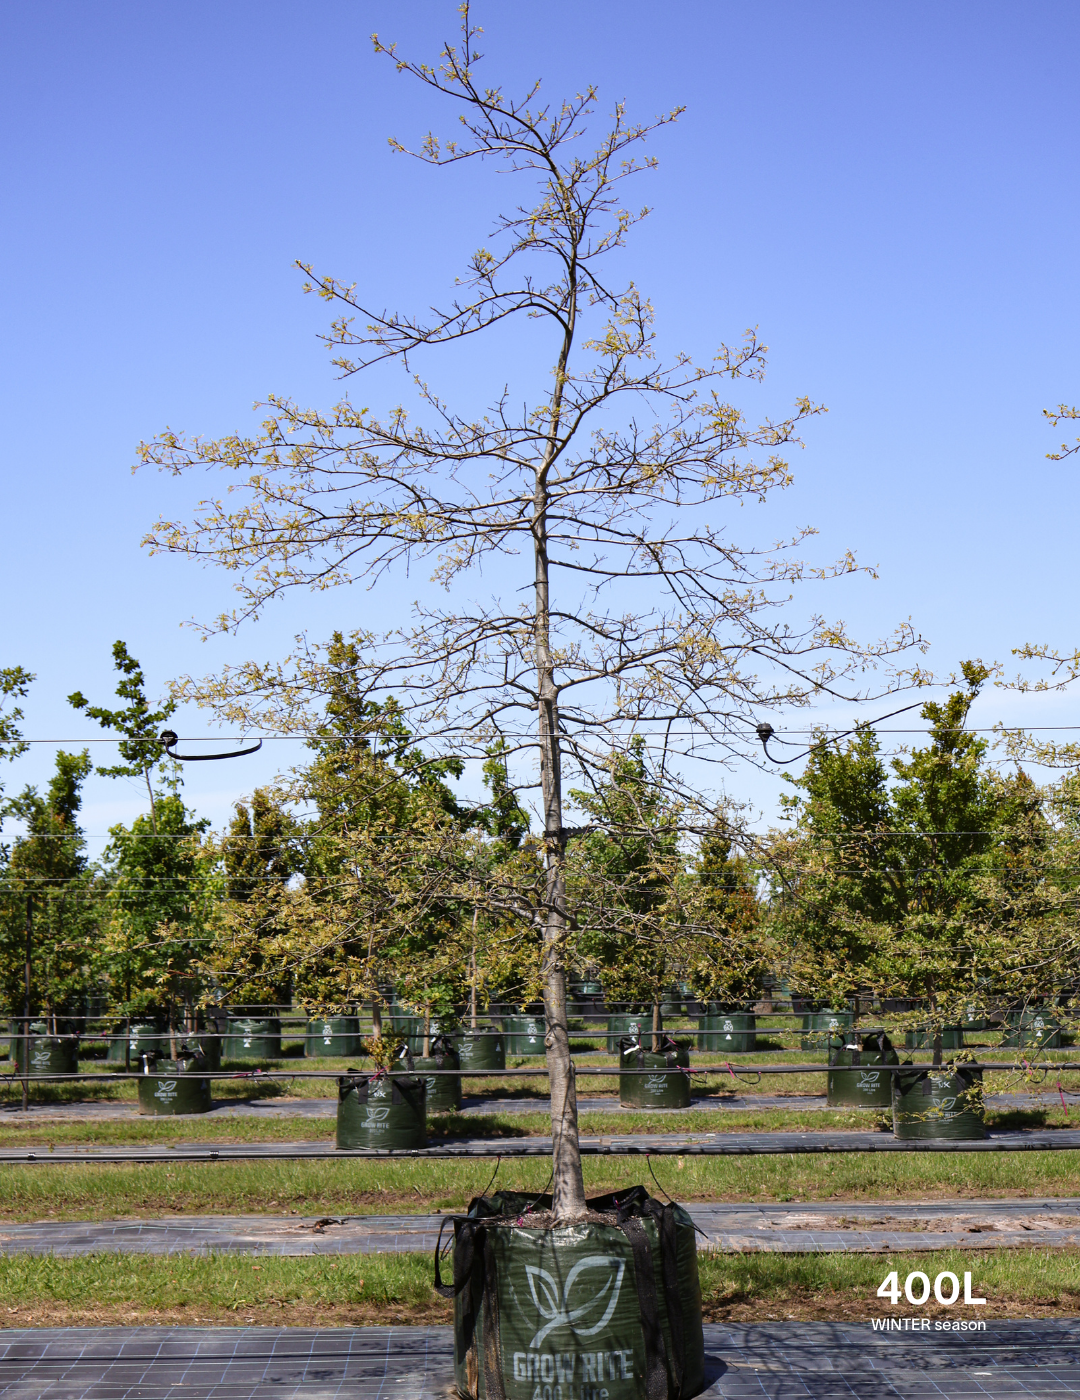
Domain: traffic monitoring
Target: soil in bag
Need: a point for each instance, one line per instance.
(48, 1054)
(249, 1039)
(481, 1049)
(857, 1077)
(654, 1080)
(165, 1090)
(443, 1089)
(939, 1103)
(332, 1035)
(611, 1303)
(381, 1110)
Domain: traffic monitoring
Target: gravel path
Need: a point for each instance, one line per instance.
(728, 1228)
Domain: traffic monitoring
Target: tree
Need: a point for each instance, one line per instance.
(140, 747)
(14, 683)
(164, 885)
(626, 884)
(886, 883)
(630, 607)
(730, 961)
(49, 885)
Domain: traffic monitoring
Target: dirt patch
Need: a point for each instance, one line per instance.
(47, 1314)
(965, 1224)
(804, 1306)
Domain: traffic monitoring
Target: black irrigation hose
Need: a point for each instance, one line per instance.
(543, 1149)
(608, 1072)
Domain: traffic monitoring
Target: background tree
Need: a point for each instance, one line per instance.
(731, 959)
(601, 503)
(885, 881)
(625, 878)
(15, 681)
(140, 726)
(164, 884)
(47, 881)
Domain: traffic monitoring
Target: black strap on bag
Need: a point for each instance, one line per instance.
(450, 1290)
(664, 1217)
(656, 1380)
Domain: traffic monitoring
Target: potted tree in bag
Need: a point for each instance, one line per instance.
(629, 610)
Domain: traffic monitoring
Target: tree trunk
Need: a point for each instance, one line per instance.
(568, 1185)
(656, 1026)
(427, 1031)
(472, 976)
(376, 1019)
(153, 804)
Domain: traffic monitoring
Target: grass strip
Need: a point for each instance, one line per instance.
(110, 1191)
(443, 1127)
(357, 1290)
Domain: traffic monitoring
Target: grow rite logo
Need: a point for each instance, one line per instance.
(868, 1080)
(40, 1059)
(166, 1090)
(376, 1117)
(602, 1276)
(656, 1083)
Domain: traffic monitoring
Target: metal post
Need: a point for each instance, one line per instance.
(26, 1001)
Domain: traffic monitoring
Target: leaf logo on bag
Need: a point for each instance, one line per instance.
(558, 1312)
(166, 1090)
(377, 1115)
(868, 1079)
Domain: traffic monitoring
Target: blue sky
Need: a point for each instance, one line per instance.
(888, 190)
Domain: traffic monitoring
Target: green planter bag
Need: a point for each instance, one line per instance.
(952, 1038)
(633, 1023)
(1034, 1028)
(583, 996)
(381, 1110)
(163, 1092)
(481, 1050)
(939, 1103)
(142, 1039)
(666, 1080)
(671, 1003)
(732, 1031)
(254, 1040)
(819, 1028)
(49, 1054)
(601, 1308)
(332, 1035)
(209, 1042)
(443, 1091)
(410, 1026)
(524, 1034)
(859, 1081)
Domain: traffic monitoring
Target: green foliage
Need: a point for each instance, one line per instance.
(732, 952)
(940, 883)
(139, 748)
(46, 878)
(163, 884)
(14, 683)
